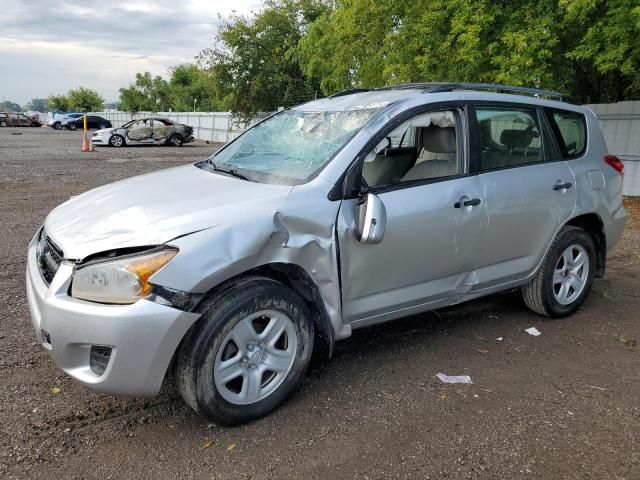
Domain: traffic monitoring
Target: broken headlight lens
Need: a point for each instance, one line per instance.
(119, 281)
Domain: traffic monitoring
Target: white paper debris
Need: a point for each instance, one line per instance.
(454, 378)
(499, 339)
(533, 331)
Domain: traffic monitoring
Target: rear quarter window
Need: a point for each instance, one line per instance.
(570, 130)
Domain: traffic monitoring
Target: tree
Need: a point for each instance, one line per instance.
(255, 65)
(37, 105)
(8, 106)
(84, 100)
(147, 93)
(58, 103)
(188, 82)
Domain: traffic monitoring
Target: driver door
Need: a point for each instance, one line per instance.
(427, 255)
(140, 131)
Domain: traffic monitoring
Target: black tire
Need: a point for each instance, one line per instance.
(117, 141)
(539, 294)
(3, 124)
(57, 126)
(102, 126)
(72, 126)
(194, 366)
(175, 140)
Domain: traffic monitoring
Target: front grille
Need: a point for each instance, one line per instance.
(99, 359)
(49, 257)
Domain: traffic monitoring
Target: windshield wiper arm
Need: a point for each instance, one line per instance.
(230, 171)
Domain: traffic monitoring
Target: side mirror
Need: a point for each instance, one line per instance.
(371, 218)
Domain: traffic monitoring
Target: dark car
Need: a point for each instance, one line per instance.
(18, 120)
(93, 122)
(58, 119)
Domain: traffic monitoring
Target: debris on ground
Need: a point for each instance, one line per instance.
(56, 390)
(533, 331)
(483, 350)
(231, 447)
(454, 378)
(207, 444)
(499, 339)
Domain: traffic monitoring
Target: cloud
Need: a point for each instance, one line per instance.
(51, 46)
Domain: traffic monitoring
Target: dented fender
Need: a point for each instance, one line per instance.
(300, 231)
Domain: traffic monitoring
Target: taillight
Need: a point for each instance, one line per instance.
(615, 163)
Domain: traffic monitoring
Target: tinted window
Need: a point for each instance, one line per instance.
(570, 129)
(508, 137)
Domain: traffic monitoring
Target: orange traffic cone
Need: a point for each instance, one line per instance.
(85, 143)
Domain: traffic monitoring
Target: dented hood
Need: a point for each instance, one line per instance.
(154, 208)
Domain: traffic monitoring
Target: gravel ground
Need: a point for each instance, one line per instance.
(561, 405)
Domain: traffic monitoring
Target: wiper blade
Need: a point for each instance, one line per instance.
(230, 171)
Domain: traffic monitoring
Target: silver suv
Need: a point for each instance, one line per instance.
(337, 214)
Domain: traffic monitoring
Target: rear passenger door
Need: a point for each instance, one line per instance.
(529, 191)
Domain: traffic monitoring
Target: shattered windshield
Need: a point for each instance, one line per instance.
(292, 146)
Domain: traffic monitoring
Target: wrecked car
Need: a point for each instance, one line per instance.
(18, 120)
(145, 131)
(338, 214)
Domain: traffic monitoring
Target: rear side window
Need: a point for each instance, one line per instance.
(570, 130)
(508, 137)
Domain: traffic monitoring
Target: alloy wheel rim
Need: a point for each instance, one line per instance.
(117, 141)
(255, 357)
(570, 274)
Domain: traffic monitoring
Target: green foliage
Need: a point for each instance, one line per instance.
(58, 103)
(80, 99)
(147, 93)
(255, 66)
(84, 99)
(37, 105)
(292, 50)
(8, 106)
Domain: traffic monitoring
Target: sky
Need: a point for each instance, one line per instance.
(48, 47)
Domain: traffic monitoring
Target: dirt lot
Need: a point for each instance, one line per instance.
(565, 404)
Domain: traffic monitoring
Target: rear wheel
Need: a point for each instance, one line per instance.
(565, 276)
(3, 123)
(102, 126)
(247, 353)
(72, 126)
(57, 126)
(116, 141)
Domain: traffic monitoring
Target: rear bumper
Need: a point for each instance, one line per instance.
(143, 336)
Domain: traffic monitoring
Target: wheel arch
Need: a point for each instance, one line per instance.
(593, 225)
(296, 278)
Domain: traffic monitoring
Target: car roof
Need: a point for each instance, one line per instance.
(435, 92)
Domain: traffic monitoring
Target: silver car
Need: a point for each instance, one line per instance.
(341, 213)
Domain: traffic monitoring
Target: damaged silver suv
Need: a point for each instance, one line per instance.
(337, 214)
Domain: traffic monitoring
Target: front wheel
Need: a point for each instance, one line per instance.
(116, 141)
(175, 140)
(3, 123)
(72, 126)
(565, 276)
(57, 126)
(248, 352)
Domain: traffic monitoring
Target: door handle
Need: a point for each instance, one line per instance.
(468, 203)
(563, 186)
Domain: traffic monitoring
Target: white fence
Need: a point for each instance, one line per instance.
(210, 126)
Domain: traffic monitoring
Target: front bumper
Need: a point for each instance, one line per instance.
(143, 336)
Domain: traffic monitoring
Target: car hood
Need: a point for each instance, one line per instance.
(105, 130)
(154, 208)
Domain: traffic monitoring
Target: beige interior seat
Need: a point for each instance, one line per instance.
(438, 156)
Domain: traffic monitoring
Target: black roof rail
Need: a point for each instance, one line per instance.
(436, 87)
(349, 92)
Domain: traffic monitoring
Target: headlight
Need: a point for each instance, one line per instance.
(119, 281)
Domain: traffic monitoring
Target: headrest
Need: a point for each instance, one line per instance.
(517, 138)
(439, 139)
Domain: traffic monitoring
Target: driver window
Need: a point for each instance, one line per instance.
(422, 148)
